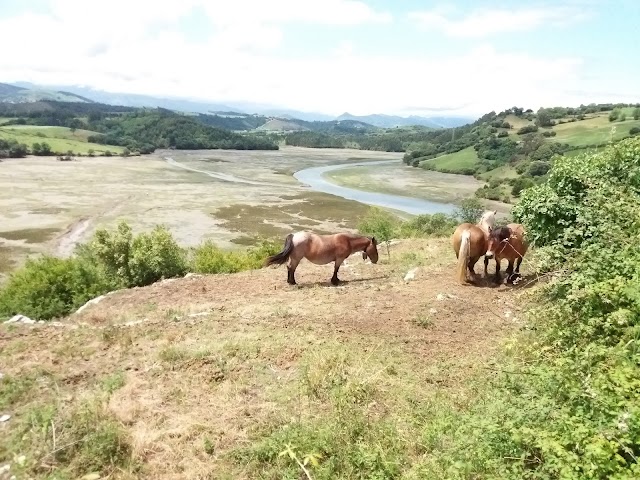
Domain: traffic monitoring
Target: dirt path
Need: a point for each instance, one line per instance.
(74, 234)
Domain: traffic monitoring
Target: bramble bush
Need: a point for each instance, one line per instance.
(566, 405)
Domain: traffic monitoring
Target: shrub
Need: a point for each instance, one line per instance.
(470, 210)
(437, 224)
(538, 168)
(613, 116)
(549, 133)
(636, 113)
(521, 184)
(527, 129)
(380, 224)
(51, 287)
(137, 261)
(209, 258)
(503, 134)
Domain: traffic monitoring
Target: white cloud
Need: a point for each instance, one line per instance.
(238, 61)
(486, 22)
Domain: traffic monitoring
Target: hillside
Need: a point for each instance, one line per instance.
(277, 125)
(514, 149)
(60, 139)
(213, 376)
(392, 121)
(15, 94)
(138, 130)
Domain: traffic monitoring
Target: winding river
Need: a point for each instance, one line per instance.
(316, 179)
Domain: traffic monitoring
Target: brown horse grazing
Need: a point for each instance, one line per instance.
(469, 242)
(322, 249)
(508, 243)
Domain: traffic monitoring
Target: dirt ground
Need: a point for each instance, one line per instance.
(219, 358)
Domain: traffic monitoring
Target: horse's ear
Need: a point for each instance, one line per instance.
(373, 239)
(495, 212)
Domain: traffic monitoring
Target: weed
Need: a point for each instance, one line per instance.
(423, 320)
(113, 382)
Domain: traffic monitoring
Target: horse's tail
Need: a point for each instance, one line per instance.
(463, 256)
(282, 256)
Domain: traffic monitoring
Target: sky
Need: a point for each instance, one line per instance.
(400, 57)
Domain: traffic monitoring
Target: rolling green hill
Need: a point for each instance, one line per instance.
(514, 149)
(81, 127)
(60, 139)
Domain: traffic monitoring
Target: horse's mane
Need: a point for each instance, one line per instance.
(501, 232)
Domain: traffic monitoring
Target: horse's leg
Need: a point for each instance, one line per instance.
(509, 271)
(518, 262)
(336, 267)
(291, 270)
(472, 265)
(497, 276)
(486, 265)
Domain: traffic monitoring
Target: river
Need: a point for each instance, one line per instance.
(315, 178)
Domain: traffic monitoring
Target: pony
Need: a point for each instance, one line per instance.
(469, 243)
(508, 243)
(322, 249)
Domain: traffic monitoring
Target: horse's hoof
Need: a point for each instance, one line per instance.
(335, 282)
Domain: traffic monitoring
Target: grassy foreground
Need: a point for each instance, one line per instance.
(240, 376)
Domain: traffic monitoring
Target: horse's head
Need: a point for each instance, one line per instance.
(371, 251)
(488, 220)
(497, 237)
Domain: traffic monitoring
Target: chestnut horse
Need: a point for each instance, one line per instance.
(508, 243)
(470, 242)
(322, 249)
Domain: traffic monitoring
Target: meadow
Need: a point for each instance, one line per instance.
(60, 139)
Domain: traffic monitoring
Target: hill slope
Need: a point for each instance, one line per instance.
(16, 94)
(212, 377)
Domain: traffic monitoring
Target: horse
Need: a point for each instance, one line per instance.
(322, 249)
(508, 243)
(469, 243)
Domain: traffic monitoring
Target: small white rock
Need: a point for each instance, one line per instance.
(20, 319)
(21, 459)
(507, 314)
(5, 418)
(90, 302)
(432, 311)
(411, 274)
(5, 468)
(440, 297)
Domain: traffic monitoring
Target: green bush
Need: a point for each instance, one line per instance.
(136, 261)
(52, 287)
(634, 130)
(470, 210)
(380, 224)
(437, 224)
(570, 408)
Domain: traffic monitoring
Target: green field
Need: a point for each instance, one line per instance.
(503, 172)
(593, 131)
(466, 158)
(61, 139)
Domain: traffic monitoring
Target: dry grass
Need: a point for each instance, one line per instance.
(214, 374)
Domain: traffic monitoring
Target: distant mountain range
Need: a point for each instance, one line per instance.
(390, 121)
(21, 92)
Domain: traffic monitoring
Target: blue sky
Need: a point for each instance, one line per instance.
(363, 56)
